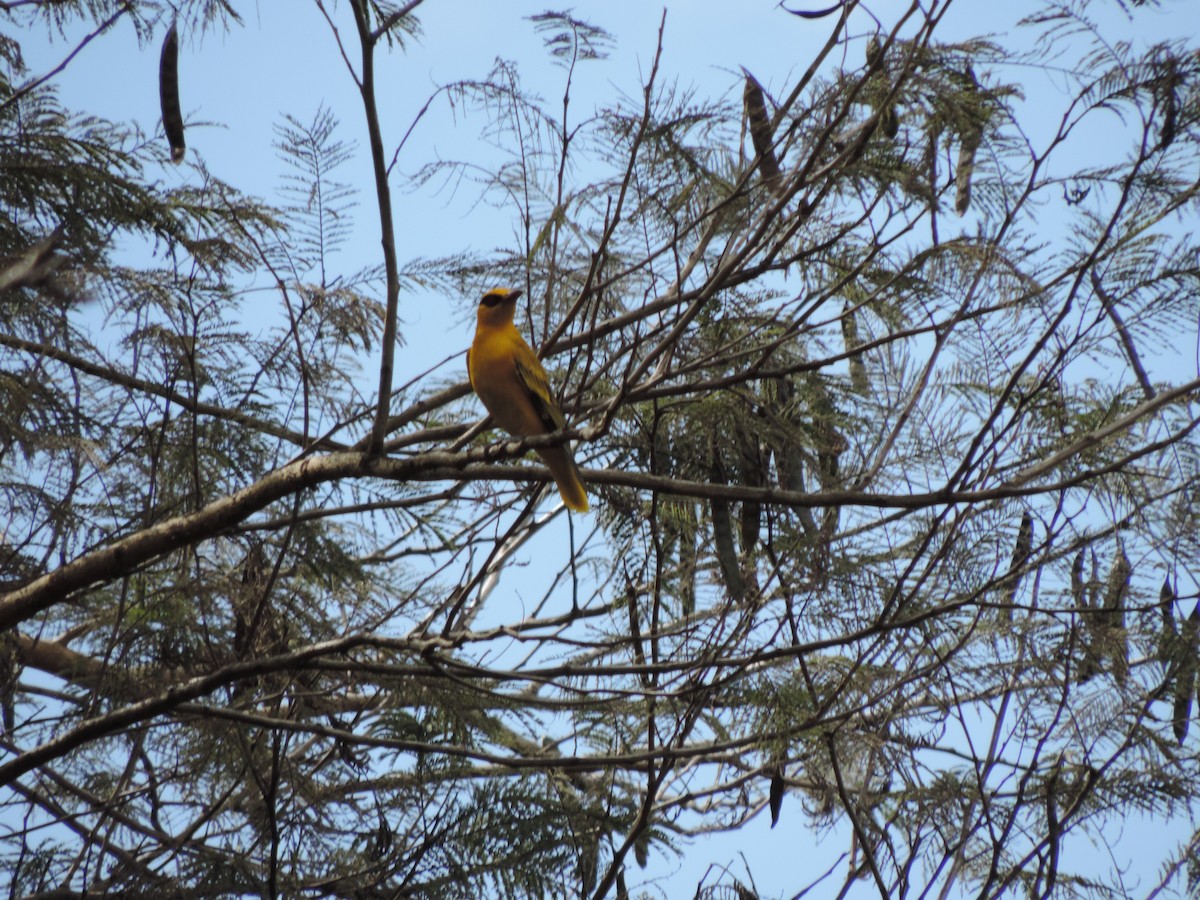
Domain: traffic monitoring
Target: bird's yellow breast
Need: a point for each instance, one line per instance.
(494, 377)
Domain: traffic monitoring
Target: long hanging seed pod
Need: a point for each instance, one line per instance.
(1053, 831)
(761, 135)
(966, 168)
(1186, 675)
(859, 383)
(752, 468)
(889, 118)
(789, 463)
(688, 563)
(1168, 636)
(1092, 612)
(1168, 85)
(970, 137)
(723, 543)
(1020, 556)
(775, 798)
(874, 52)
(10, 673)
(1116, 589)
(168, 94)
(1080, 602)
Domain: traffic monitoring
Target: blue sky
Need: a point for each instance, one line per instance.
(236, 85)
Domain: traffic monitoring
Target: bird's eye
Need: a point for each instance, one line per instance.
(493, 299)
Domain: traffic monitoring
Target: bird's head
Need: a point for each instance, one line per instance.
(497, 307)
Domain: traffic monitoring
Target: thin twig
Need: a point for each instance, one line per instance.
(32, 85)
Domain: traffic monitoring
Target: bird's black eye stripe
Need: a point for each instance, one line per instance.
(493, 299)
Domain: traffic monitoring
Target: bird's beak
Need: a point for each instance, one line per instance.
(513, 296)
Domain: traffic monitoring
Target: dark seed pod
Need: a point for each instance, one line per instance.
(1024, 545)
(640, 854)
(1020, 556)
(813, 14)
(1186, 676)
(1182, 706)
(760, 134)
(1170, 122)
(971, 138)
(874, 52)
(778, 786)
(722, 529)
(1116, 588)
(966, 168)
(1170, 100)
(754, 474)
(1168, 637)
(1087, 598)
(889, 121)
(859, 382)
(10, 673)
(168, 94)
(1053, 830)
(1112, 618)
(889, 117)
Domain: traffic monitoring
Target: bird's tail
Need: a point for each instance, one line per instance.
(566, 475)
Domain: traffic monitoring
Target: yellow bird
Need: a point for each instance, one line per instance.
(509, 379)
